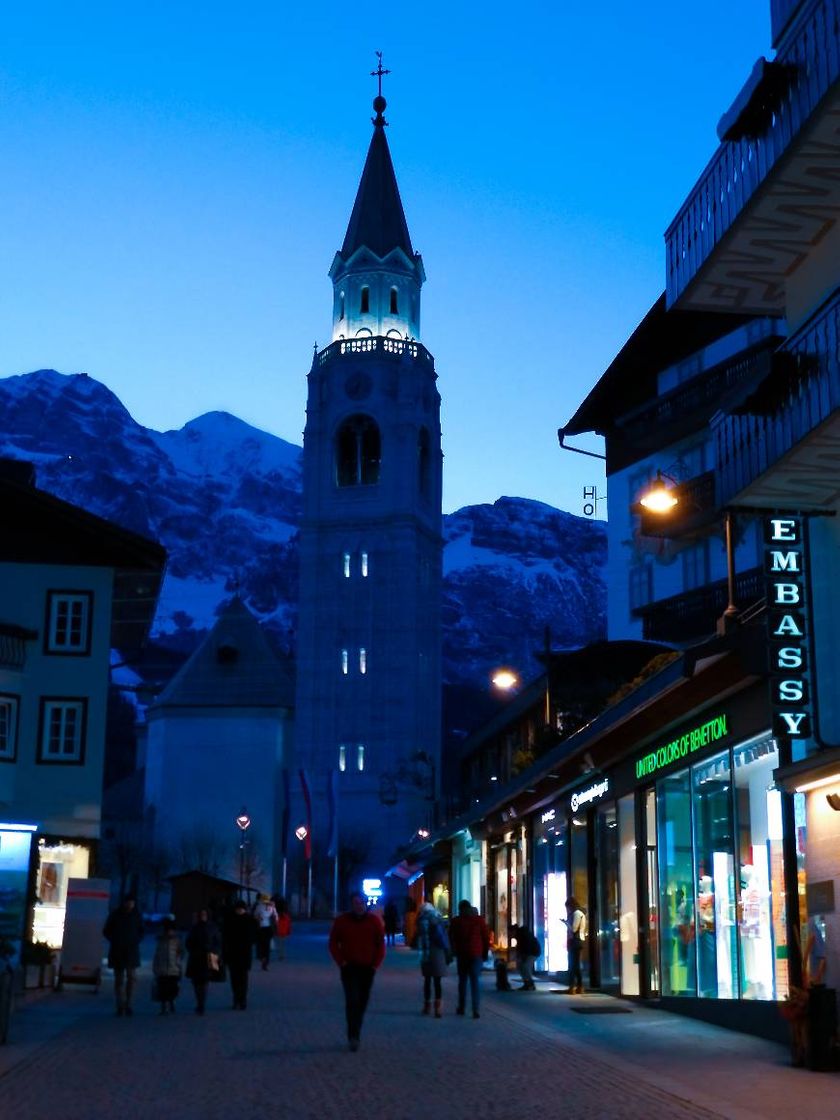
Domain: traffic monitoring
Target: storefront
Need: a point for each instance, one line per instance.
(57, 860)
(678, 854)
(507, 872)
(16, 841)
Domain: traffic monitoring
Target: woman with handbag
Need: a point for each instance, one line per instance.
(435, 955)
(204, 960)
(166, 966)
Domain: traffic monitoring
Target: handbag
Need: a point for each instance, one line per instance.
(215, 967)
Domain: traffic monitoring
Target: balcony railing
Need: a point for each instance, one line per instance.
(691, 405)
(739, 167)
(374, 344)
(694, 614)
(13, 641)
(747, 445)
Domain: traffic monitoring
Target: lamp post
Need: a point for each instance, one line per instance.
(660, 500)
(302, 833)
(243, 823)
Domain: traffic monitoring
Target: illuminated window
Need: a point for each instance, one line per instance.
(342, 757)
(341, 306)
(394, 307)
(360, 756)
(364, 303)
(362, 660)
(68, 622)
(364, 565)
(62, 737)
(346, 565)
(345, 662)
(8, 728)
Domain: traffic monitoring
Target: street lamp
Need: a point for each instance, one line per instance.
(243, 823)
(505, 680)
(660, 499)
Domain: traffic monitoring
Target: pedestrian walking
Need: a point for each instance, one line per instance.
(410, 923)
(528, 949)
(435, 955)
(123, 930)
(392, 922)
(284, 926)
(204, 949)
(575, 939)
(470, 941)
(265, 913)
(239, 932)
(166, 966)
(357, 945)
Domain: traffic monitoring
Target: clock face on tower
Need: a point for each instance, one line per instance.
(358, 386)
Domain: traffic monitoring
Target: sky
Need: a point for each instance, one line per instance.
(177, 177)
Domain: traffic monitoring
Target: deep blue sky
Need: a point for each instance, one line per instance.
(176, 178)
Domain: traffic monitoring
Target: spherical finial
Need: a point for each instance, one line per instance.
(380, 104)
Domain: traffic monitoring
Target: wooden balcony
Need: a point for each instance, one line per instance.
(781, 446)
(692, 616)
(732, 246)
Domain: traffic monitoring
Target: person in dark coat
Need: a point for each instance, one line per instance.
(204, 945)
(528, 949)
(435, 954)
(239, 934)
(470, 940)
(391, 917)
(124, 931)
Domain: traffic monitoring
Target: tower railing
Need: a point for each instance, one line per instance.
(375, 344)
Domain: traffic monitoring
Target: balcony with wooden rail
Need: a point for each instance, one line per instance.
(693, 615)
(771, 192)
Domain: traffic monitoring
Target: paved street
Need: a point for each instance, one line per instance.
(530, 1056)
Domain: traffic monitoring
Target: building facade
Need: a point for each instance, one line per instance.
(72, 589)
(369, 637)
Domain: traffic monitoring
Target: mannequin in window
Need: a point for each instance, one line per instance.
(706, 936)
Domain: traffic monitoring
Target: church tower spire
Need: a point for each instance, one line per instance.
(369, 630)
(376, 274)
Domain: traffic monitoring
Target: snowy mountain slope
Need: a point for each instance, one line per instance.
(224, 498)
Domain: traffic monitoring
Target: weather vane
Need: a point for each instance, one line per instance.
(379, 72)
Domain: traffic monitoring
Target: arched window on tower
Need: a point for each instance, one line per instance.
(357, 452)
(394, 302)
(424, 461)
(364, 302)
(341, 306)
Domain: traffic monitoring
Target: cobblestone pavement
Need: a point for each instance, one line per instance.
(527, 1058)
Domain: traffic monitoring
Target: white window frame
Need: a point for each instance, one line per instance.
(9, 705)
(60, 622)
(72, 730)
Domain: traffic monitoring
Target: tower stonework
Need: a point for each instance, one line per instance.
(369, 630)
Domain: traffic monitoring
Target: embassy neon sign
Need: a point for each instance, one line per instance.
(787, 626)
(712, 731)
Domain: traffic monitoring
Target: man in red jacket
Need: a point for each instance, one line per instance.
(470, 941)
(357, 945)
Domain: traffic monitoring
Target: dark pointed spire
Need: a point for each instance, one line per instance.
(377, 220)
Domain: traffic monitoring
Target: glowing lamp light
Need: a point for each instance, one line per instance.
(243, 821)
(301, 832)
(423, 833)
(660, 498)
(505, 679)
(372, 889)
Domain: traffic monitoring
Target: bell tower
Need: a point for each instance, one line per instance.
(369, 630)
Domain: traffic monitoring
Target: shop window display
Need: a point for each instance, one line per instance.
(550, 892)
(628, 925)
(676, 886)
(580, 873)
(715, 900)
(608, 911)
(760, 864)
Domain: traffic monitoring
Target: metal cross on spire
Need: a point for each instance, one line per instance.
(379, 72)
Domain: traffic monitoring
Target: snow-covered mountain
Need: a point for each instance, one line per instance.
(224, 499)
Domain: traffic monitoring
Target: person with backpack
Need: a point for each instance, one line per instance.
(528, 949)
(575, 940)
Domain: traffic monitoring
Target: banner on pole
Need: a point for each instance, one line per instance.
(307, 840)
